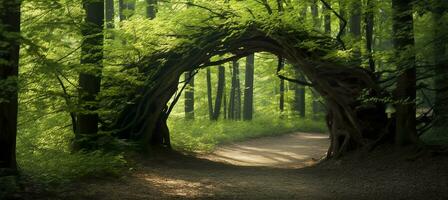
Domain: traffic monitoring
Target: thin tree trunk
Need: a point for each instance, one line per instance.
(110, 14)
(219, 93)
(209, 94)
(151, 9)
(189, 97)
(327, 19)
(315, 96)
(403, 34)
(315, 14)
(369, 23)
(232, 92)
(90, 82)
(299, 96)
(342, 6)
(126, 9)
(355, 29)
(281, 64)
(249, 88)
(441, 61)
(9, 67)
(237, 104)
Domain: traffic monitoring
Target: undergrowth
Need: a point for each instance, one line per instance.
(205, 135)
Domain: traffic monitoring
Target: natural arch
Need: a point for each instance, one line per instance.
(352, 123)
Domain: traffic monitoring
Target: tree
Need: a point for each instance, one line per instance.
(151, 9)
(441, 61)
(235, 93)
(220, 93)
(9, 68)
(110, 14)
(126, 9)
(405, 92)
(281, 65)
(299, 95)
(355, 29)
(189, 96)
(369, 24)
(209, 93)
(92, 59)
(249, 88)
(327, 19)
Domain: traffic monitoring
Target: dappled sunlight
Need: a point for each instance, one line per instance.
(289, 151)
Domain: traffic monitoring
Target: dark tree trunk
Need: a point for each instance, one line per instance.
(355, 30)
(209, 94)
(441, 61)
(189, 97)
(281, 64)
(327, 19)
(9, 67)
(92, 57)
(110, 14)
(126, 9)
(369, 23)
(299, 95)
(151, 9)
(220, 93)
(342, 7)
(403, 34)
(249, 88)
(315, 14)
(235, 93)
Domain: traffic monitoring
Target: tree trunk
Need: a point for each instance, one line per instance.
(237, 104)
(299, 95)
(281, 64)
(189, 97)
(327, 19)
(126, 9)
(405, 92)
(220, 93)
(9, 67)
(369, 23)
(110, 14)
(249, 88)
(315, 14)
(151, 9)
(441, 61)
(355, 30)
(209, 94)
(90, 82)
(342, 7)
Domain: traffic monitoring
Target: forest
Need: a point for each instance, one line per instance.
(223, 99)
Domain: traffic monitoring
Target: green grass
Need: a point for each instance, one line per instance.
(205, 135)
(44, 156)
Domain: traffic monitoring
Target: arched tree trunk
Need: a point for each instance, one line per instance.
(353, 123)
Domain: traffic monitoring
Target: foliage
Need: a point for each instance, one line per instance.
(200, 136)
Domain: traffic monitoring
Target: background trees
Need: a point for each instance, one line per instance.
(9, 69)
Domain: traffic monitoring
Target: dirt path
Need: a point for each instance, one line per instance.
(270, 169)
(288, 151)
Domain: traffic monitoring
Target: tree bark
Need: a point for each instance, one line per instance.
(151, 9)
(441, 61)
(110, 14)
(209, 94)
(219, 93)
(249, 88)
(369, 24)
(189, 97)
(327, 19)
(405, 92)
(9, 67)
(126, 9)
(90, 82)
(281, 64)
(355, 29)
(299, 95)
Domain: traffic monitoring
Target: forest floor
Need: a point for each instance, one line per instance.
(282, 167)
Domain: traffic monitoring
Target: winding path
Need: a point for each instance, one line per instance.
(272, 168)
